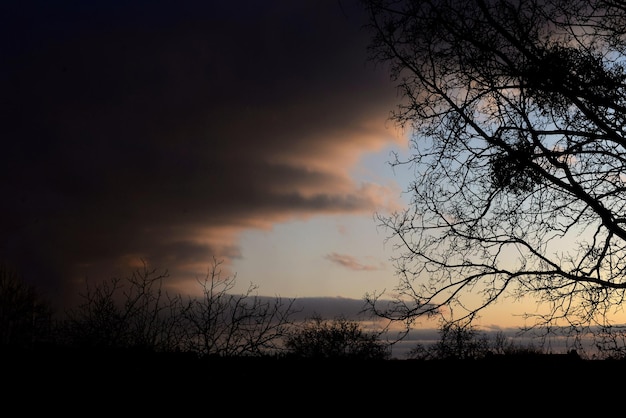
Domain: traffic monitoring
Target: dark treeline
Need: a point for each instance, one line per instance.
(135, 317)
(133, 321)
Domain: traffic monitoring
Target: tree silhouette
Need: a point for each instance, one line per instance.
(134, 314)
(456, 342)
(25, 318)
(517, 111)
(463, 341)
(335, 339)
(610, 343)
(127, 313)
(224, 324)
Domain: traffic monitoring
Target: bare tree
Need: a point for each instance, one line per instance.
(135, 313)
(126, 313)
(517, 111)
(506, 346)
(227, 324)
(457, 342)
(25, 317)
(338, 338)
(610, 343)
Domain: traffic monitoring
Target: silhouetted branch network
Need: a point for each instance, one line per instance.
(517, 110)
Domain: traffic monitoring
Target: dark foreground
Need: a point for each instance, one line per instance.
(178, 384)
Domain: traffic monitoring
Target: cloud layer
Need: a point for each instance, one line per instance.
(160, 131)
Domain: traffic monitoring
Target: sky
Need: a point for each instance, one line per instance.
(256, 133)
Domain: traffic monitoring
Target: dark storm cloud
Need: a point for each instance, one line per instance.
(158, 130)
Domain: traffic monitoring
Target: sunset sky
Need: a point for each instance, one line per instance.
(255, 132)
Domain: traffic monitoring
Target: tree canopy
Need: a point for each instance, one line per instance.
(517, 111)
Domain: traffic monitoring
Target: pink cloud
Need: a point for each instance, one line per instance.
(351, 262)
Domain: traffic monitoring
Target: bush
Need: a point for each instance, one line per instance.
(335, 339)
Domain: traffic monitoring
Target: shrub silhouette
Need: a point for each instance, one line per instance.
(335, 339)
